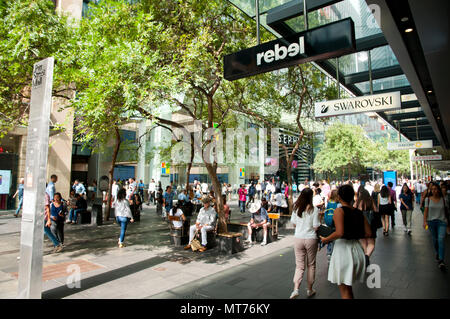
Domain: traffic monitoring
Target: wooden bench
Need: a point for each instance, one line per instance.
(257, 234)
(230, 242)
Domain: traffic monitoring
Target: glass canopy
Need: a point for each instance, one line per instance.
(354, 71)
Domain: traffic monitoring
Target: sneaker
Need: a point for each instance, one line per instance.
(263, 243)
(68, 222)
(409, 232)
(442, 265)
(73, 222)
(121, 245)
(58, 248)
(310, 293)
(294, 294)
(249, 241)
(16, 215)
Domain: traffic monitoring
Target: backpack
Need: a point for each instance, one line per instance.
(329, 212)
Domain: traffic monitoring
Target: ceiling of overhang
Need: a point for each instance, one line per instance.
(416, 120)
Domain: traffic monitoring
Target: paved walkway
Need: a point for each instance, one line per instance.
(149, 267)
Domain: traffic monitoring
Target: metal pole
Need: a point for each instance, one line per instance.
(305, 15)
(369, 59)
(257, 21)
(32, 227)
(337, 78)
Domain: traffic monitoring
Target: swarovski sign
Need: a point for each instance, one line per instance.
(368, 103)
(324, 42)
(410, 145)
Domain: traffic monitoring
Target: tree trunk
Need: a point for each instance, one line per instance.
(188, 172)
(111, 172)
(212, 170)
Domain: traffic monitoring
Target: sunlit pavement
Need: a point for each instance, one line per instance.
(149, 267)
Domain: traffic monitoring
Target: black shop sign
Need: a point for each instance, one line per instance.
(324, 42)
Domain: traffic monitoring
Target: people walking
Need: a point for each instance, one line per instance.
(58, 215)
(305, 218)
(51, 189)
(385, 208)
(151, 192)
(19, 193)
(406, 207)
(123, 215)
(347, 264)
(159, 200)
(114, 191)
(435, 218)
(251, 194)
(332, 204)
(47, 225)
(168, 200)
(369, 210)
(393, 194)
(242, 192)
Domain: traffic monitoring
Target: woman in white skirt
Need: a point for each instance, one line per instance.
(348, 263)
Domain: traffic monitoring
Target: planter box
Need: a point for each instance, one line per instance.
(230, 243)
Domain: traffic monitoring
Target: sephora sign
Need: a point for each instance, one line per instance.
(325, 42)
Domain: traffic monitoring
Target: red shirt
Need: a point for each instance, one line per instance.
(242, 192)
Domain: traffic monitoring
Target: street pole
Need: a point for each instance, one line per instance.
(257, 21)
(305, 15)
(32, 228)
(411, 154)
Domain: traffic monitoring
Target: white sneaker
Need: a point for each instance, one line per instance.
(249, 241)
(294, 294)
(310, 293)
(263, 243)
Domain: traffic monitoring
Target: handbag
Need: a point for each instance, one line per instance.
(195, 243)
(325, 231)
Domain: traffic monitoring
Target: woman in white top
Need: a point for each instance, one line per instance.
(278, 199)
(384, 206)
(176, 211)
(305, 217)
(123, 214)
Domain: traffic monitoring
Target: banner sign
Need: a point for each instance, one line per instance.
(325, 42)
(410, 145)
(390, 176)
(427, 158)
(5, 181)
(367, 103)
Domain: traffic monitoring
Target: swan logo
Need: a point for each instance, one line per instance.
(324, 109)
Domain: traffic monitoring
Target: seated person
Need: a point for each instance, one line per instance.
(226, 208)
(259, 218)
(183, 198)
(176, 211)
(80, 206)
(266, 205)
(206, 221)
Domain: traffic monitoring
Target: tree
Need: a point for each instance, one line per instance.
(117, 66)
(201, 34)
(345, 147)
(30, 31)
